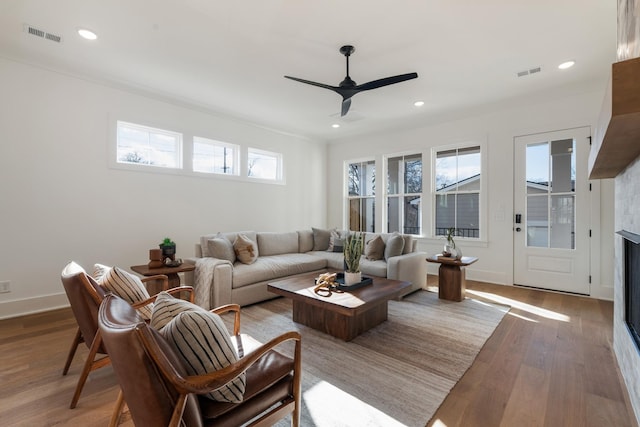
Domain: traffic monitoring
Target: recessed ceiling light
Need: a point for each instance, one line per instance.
(87, 34)
(566, 65)
(418, 103)
(335, 126)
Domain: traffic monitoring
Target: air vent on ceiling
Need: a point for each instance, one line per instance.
(529, 71)
(42, 34)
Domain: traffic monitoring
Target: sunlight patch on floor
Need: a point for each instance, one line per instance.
(438, 423)
(537, 311)
(331, 406)
(528, 319)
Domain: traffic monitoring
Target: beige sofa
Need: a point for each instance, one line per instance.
(220, 281)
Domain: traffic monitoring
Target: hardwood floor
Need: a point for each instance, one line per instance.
(549, 363)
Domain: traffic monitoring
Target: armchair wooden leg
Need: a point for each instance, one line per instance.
(117, 410)
(72, 351)
(89, 365)
(297, 385)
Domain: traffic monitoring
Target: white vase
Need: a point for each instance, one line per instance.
(352, 278)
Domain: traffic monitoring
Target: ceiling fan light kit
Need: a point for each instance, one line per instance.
(348, 88)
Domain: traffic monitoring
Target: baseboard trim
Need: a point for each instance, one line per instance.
(23, 307)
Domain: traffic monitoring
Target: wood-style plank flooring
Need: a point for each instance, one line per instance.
(549, 363)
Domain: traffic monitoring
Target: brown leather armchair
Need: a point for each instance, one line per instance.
(158, 391)
(85, 296)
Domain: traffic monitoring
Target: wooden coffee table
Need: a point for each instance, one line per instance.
(342, 315)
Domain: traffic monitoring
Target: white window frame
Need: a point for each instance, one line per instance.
(482, 198)
(279, 173)
(146, 166)
(401, 194)
(349, 198)
(235, 161)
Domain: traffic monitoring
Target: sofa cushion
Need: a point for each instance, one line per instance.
(231, 236)
(127, 286)
(408, 244)
(274, 267)
(246, 249)
(277, 243)
(220, 247)
(305, 240)
(202, 341)
(394, 246)
(321, 239)
(374, 249)
(336, 242)
(373, 268)
(334, 260)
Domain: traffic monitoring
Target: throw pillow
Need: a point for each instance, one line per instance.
(246, 250)
(320, 239)
(202, 341)
(374, 249)
(336, 243)
(220, 247)
(394, 246)
(126, 285)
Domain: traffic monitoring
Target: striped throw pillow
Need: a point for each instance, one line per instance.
(126, 285)
(201, 339)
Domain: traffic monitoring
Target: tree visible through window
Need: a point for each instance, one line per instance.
(457, 196)
(404, 189)
(362, 190)
(264, 165)
(143, 145)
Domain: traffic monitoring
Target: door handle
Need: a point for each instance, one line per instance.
(518, 219)
(518, 229)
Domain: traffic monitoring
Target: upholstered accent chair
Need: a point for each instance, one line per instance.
(159, 392)
(85, 296)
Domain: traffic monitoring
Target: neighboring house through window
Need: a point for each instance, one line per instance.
(361, 190)
(404, 194)
(457, 178)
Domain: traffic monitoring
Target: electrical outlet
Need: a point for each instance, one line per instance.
(5, 286)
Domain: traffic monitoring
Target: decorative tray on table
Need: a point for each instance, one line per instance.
(341, 286)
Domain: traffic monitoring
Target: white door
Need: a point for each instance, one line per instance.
(551, 205)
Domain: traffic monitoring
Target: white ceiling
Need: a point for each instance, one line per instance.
(230, 56)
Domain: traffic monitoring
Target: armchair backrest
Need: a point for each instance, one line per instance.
(85, 296)
(142, 361)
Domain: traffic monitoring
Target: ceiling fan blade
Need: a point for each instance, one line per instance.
(346, 103)
(309, 82)
(386, 81)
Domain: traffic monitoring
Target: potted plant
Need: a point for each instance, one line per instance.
(168, 249)
(450, 249)
(353, 249)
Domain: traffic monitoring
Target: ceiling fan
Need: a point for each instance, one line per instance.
(347, 88)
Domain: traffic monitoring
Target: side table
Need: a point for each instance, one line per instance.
(170, 272)
(452, 282)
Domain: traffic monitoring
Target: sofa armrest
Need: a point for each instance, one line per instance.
(411, 267)
(212, 281)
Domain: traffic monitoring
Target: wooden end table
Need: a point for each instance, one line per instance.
(342, 315)
(170, 272)
(452, 282)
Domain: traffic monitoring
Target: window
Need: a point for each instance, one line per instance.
(264, 165)
(361, 188)
(457, 191)
(143, 145)
(211, 156)
(404, 188)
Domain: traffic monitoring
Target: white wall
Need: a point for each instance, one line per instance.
(60, 201)
(498, 129)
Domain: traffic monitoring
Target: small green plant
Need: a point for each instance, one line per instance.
(450, 233)
(353, 249)
(167, 242)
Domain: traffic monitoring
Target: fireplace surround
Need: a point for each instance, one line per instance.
(631, 284)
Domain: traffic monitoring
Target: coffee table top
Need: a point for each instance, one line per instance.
(301, 288)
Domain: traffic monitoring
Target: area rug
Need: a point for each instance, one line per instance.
(396, 374)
